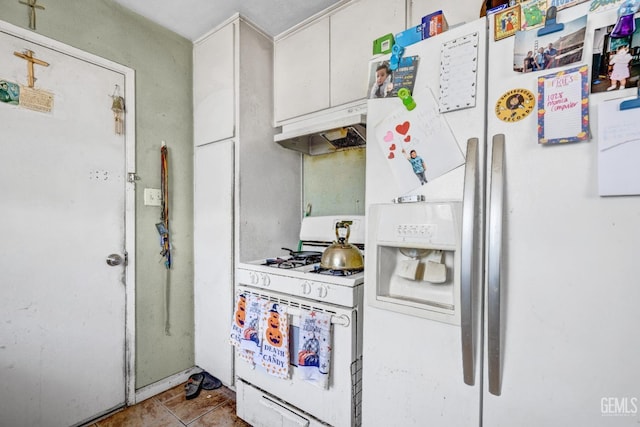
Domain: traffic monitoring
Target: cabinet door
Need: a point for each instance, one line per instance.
(301, 71)
(353, 30)
(213, 227)
(213, 87)
(454, 12)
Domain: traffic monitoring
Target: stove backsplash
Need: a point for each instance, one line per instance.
(335, 183)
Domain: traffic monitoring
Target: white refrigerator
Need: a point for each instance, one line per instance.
(535, 320)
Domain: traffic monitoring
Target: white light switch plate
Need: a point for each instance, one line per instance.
(152, 197)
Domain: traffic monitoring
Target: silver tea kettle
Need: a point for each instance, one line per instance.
(342, 255)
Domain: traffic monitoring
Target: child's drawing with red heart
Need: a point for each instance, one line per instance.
(403, 128)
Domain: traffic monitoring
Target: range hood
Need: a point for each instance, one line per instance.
(327, 131)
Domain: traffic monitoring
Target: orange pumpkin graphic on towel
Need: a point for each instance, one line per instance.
(274, 336)
(241, 311)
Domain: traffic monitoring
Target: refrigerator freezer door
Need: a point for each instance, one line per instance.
(425, 363)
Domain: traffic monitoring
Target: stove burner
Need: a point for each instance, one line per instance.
(331, 272)
(292, 262)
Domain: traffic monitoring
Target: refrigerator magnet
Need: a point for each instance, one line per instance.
(563, 106)
(515, 105)
(507, 22)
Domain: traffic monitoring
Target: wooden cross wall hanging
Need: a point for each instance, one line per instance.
(32, 4)
(28, 56)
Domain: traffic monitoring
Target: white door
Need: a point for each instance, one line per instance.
(63, 183)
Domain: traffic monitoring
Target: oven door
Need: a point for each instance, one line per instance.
(337, 405)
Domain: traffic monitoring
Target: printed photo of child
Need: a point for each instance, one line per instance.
(620, 68)
(615, 61)
(383, 84)
(419, 168)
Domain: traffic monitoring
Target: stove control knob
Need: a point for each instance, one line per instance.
(322, 291)
(306, 288)
(265, 280)
(253, 277)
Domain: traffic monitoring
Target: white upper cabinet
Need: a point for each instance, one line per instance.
(353, 30)
(301, 71)
(324, 63)
(213, 87)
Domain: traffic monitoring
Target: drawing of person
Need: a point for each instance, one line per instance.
(417, 164)
(620, 72)
(510, 19)
(383, 84)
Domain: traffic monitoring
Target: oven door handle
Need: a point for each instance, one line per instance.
(284, 412)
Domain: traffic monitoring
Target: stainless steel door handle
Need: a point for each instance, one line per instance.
(496, 206)
(467, 261)
(114, 259)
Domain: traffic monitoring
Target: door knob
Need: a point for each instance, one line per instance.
(114, 259)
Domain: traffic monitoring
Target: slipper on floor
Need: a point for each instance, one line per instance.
(193, 386)
(210, 382)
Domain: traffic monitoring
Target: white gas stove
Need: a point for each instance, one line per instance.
(295, 280)
(298, 272)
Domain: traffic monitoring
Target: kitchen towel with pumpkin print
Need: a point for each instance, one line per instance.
(250, 338)
(239, 314)
(314, 347)
(275, 340)
(238, 325)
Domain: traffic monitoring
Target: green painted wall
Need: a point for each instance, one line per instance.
(163, 64)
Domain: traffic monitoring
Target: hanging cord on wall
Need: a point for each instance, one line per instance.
(164, 216)
(163, 229)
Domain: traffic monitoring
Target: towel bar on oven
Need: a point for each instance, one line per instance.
(341, 320)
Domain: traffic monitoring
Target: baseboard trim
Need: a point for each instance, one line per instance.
(165, 384)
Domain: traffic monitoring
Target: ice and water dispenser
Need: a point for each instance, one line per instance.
(415, 251)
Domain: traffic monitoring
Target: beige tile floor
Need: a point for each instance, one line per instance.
(172, 409)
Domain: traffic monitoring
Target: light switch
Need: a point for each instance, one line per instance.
(152, 197)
